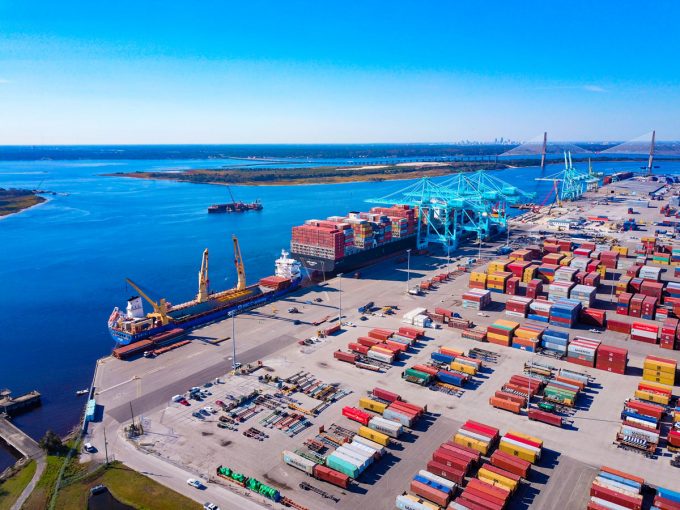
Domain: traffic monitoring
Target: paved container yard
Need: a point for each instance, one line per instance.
(144, 387)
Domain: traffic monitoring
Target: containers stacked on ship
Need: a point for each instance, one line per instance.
(615, 489)
(342, 243)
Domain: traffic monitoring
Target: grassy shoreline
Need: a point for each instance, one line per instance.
(13, 201)
(314, 175)
(11, 489)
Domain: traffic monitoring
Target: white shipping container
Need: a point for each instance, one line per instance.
(367, 449)
(607, 504)
(371, 444)
(652, 437)
(643, 333)
(380, 356)
(409, 316)
(512, 442)
(359, 461)
(474, 435)
(405, 503)
(438, 479)
(359, 454)
(299, 462)
(391, 428)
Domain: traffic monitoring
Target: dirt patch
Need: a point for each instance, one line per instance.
(225, 442)
(207, 433)
(276, 483)
(322, 364)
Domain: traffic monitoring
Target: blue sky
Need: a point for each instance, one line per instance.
(81, 72)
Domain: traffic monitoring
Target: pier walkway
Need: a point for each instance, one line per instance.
(18, 440)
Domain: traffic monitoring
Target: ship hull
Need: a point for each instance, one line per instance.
(194, 321)
(354, 261)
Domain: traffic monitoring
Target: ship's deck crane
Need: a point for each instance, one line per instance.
(160, 309)
(240, 268)
(203, 280)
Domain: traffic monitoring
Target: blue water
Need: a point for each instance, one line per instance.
(63, 264)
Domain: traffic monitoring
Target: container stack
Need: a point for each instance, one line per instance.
(615, 489)
(593, 317)
(583, 294)
(517, 267)
(477, 436)
(496, 266)
(623, 303)
(528, 338)
(477, 280)
(654, 392)
(530, 273)
(432, 488)
(669, 334)
(611, 359)
(477, 299)
(547, 272)
(384, 426)
(666, 499)
(562, 392)
(565, 313)
(565, 274)
(539, 310)
(403, 413)
(501, 332)
(609, 259)
(583, 351)
(651, 273)
(534, 288)
(496, 282)
(659, 370)
(453, 461)
(552, 258)
(555, 341)
(512, 287)
(516, 306)
(520, 445)
(559, 290)
(580, 263)
(644, 332)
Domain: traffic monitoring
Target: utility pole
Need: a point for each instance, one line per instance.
(340, 298)
(234, 365)
(106, 447)
(408, 268)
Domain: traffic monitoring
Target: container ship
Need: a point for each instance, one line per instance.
(133, 324)
(343, 243)
(235, 206)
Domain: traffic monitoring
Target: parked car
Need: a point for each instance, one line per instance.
(209, 410)
(97, 489)
(195, 483)
(197, 414)
(219, 403)
(89, 448)
(177, 398)
(210, 506)
(184, 402)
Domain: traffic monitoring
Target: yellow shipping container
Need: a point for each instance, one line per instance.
(451, 351)
(566, 261)
(527, 437)
(477, 277)
(508, 324)
(662, 379)
(676, 416)
(602, 270)
(372, 405)
(374, 435)
(498, 265)
(470, 442)
(652, 397)
(517, 451)
(495, 477)
(496, 336)
(661, 366)
(422, 502)
(466, 369)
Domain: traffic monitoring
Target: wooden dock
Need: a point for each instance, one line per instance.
(14, 405)
(18, 440)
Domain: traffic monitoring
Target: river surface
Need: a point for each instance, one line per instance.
(63, 263)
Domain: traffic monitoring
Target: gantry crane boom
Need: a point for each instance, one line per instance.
(160, 309)
(238, 262)
(203, 280)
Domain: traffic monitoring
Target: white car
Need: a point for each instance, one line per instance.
(595, 331)
(195, 483)
(209, 410)
(210, 506)
(89, 448)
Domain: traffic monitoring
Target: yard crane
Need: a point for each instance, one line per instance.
(240, 268)
(160, 309)
(203, 280)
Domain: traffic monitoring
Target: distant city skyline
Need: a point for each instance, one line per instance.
(379, 72)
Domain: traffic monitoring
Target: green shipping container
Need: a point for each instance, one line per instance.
(410, 372)
(342, 466)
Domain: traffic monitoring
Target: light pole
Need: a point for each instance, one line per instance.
(234, 365)
(408, 268)
(340, 298)
(448, 256)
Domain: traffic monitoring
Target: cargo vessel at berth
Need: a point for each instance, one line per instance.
(133, 325)
(343, 243)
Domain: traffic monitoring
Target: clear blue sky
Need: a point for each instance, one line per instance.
(321, 71)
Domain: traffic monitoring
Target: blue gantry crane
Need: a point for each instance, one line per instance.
(572, 183)
(466, 205)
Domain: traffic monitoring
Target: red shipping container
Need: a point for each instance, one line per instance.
(331, 476)
(522, 440)
(481, 428)
(368, 342)
(448, 472)
(617, 498)
(419, 410)
(427, 492)
(448, 458)
(361, 349)
(426, 369)
(646, 408)
(511, 463)
(542, 416)
(497, 493)
(356, 414)
(665, 504)
(471, 505)
(481, 498)
(444, 312)
(618, 326)
(463, 451)
(345, 356)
